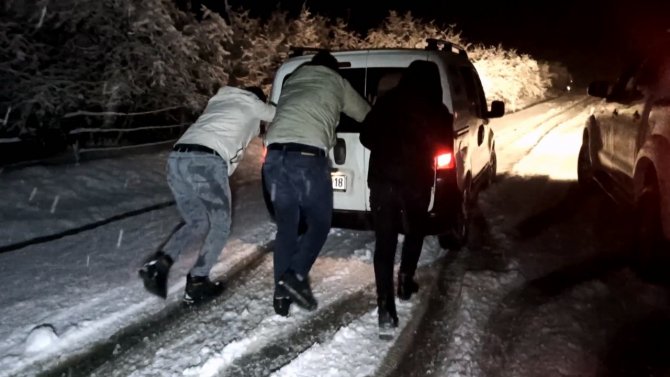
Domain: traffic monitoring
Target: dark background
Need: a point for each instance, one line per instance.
(592, 37)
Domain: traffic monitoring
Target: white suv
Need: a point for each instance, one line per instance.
(459, 174)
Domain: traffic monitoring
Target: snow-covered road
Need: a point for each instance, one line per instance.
(540, 290)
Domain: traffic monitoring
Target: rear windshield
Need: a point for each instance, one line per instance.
(378, 81)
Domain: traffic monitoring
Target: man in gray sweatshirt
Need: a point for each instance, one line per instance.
(296, 171)
(198, 170)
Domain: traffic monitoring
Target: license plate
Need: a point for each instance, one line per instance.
(339, 182)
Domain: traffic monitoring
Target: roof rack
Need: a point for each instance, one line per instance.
(299, 51)
(434, 43)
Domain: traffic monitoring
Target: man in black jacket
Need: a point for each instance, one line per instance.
(403, 131)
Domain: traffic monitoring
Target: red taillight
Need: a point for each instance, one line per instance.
(444, 161)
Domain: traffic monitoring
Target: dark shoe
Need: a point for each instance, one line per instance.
(387, 318)
(406, 286)
(281, 301)
(200, 289)
(154, 274)
(299, 290)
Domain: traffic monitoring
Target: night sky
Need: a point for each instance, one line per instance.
(594, 34)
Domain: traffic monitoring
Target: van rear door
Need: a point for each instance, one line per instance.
(349, 173)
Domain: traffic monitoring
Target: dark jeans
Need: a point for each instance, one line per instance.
(300, 188)
(396, 209)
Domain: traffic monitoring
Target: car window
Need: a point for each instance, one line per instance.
(370, 83)
(654, 76)
(458, 94)
(625, 89)
(381, 80)
(473, 91)
(356, 77)
(663, 92)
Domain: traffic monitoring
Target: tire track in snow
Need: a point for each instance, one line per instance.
(255, 350)
(280, 351)
(472, 285)
(524, 143)
(355, 348)
(446, 337)
(135, 336)
(235, 325)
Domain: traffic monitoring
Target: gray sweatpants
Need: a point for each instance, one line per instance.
(199, 183)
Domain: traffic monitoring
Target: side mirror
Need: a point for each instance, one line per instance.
(598, 89)
(497, 109)
(340, 151)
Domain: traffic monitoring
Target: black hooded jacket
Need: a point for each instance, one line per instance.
(406, 128)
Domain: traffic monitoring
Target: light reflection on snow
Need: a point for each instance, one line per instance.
(554, 156)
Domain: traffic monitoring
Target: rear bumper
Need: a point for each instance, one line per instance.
(359, 220)
(437, 223)
(441, 219)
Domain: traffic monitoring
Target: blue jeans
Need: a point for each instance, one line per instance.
(300, 188)
(199, 183)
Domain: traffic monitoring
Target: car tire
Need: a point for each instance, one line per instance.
(650, 258)
(585, 168)
(458, 237)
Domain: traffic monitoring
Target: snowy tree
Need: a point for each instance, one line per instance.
(408, 32)
(255, 48)
(341, 38)
(62, 61)
(518, 79)
(72, 56)
(308, 30)
(515, 78)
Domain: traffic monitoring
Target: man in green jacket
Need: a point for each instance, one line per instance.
(296, 171)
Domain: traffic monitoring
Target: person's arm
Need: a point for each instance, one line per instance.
(373, 123)
(266, 112)
(355, 106)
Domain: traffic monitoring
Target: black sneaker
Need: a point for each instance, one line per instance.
(281, 301)
(154, 274)
(387, 318)
(200, 289)
(406, 286)
(299, 290)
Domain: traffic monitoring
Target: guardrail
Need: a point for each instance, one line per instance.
(79, 147)
(78, 141)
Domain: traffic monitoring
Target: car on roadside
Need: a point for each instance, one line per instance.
(467, 166)
(626, 151)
